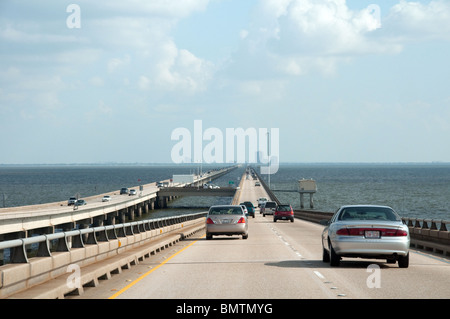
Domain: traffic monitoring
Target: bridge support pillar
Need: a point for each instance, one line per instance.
(146, 207)
(164, 202)
(302, 200)
(131, 213)
(98, 221)
(138, 210)
(111, 218)
(161, 202)
(122, 216)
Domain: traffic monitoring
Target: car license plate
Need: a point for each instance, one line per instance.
(226, 221)
(372, 234)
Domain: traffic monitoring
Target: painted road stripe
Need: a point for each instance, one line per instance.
(318, 274)
(121, 291)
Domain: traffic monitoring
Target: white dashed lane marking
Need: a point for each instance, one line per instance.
(316, 272)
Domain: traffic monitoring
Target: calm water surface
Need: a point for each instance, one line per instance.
(413, 190)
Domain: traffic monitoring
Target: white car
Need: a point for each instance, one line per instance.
(226, 220)
(366, 231)
(106, 198)
(261, 200)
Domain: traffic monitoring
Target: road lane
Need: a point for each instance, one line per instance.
(263, 266)
(278, 260)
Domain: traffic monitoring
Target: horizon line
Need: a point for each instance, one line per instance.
(209, 164)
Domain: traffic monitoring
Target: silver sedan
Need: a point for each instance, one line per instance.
(366, 231)
(226, 220)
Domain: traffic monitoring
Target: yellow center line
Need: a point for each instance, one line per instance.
(149, 272)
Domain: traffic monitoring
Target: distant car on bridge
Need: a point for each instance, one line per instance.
(250, 208)
(71, 201)
(124, 190)
(226, 220)
(245, 209)
(106, 198)
(268, 208)
(261, 200)
(283, 212)
(366, 231)
(80, 202)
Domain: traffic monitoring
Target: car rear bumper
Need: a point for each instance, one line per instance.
(228, 229)
(347, 246)
(283, 216)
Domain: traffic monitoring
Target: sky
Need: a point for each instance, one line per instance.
(111, 81)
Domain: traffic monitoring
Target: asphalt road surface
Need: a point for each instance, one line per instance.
(281, 260)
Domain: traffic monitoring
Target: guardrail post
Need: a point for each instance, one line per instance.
(103, 235)
(120, 230)
(433, 225)
(19, 254)
(92, 239)
(77, 240)
(62, 244)
(111, 233)
(44, 248)
(128, 229)
(135, 228)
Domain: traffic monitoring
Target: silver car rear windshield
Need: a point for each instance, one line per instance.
(368, 213)
(226, 211)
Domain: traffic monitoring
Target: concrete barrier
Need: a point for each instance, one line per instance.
(47, 277)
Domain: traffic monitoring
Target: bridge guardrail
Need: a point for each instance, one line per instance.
(102, 250)
(266, 187)
(88, 236)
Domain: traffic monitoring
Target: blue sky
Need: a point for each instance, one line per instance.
(342, 83)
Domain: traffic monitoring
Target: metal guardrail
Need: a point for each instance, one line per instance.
(426, 223)
(422, 223)
(266, 187)
(59, 242)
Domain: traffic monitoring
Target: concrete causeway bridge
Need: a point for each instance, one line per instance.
(169, 258)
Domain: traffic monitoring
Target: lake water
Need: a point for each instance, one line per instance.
(413, 190)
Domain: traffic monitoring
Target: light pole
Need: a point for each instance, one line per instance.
(268, 154)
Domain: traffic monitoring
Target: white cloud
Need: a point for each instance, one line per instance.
(415, 21)
(96, 81)
(100, 111)
(116, 63)
(296, 37)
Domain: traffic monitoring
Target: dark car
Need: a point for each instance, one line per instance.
(283, 212)
(250, 208)
(124, 190)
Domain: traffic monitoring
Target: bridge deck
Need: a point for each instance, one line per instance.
(278, 260)
(197, 191)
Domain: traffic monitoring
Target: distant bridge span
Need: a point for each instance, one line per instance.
(194, 191)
